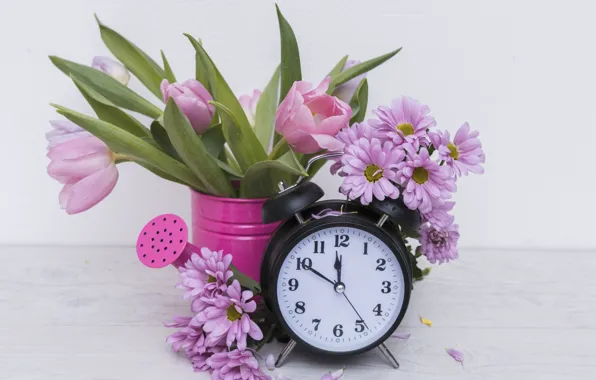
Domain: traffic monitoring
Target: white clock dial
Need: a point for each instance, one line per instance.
(318, 312)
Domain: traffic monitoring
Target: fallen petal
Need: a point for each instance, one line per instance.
(333, 375)
(455, 354)
(403, 336)
(270, 362)
(427, 322)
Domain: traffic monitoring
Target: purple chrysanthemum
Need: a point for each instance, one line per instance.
(423, 179)
(369, 167)
(199, 361)
(190, 339)
(204, 276)
(406, 121)
(464, 154)
(439, 244)
(439, 214)
(228, 318)
(236, 365)
(351, 135)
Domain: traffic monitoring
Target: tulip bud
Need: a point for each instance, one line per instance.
(346, 91)
(111, 67)
(193, 99)
(249, 105)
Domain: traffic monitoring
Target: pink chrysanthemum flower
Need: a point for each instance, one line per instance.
(369, 167)
(439, 244)
(236, 365)
(439, 214)
(423, 179)
(190, 339)
(351, 135)
(406, 121)
(228, 318)
(464, 154)
(204, 276)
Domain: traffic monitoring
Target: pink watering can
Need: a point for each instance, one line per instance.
(164, 241)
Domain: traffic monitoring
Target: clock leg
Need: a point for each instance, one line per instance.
(284, 353)
(388, 355)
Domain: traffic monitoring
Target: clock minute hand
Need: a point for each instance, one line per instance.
(320, 275)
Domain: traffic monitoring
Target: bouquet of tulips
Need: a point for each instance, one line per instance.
(205, 137)
(208, 139)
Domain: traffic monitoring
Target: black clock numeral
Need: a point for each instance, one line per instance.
(300, 307)
(338, 331)
(386, 287)
(293, 284)
(305, 264)
(317, 322)
(382, 262)
(319, 247)
(359, 326)
(365, 248)
(377, 310)
(342, 240)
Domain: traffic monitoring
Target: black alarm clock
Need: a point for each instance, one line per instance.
(335, 273)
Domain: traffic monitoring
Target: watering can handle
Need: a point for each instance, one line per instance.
(324, 156)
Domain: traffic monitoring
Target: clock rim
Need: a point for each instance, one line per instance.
(354, 221)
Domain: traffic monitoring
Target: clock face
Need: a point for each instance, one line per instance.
(341, 315)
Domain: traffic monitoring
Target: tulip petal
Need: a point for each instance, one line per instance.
(79, 168)
(76, 148)
(329, 142)
(91, 190)
(455, 354)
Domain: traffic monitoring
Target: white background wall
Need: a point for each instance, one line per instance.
(522, 72)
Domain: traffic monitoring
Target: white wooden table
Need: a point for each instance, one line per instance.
(96, 313)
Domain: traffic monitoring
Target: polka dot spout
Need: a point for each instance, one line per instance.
(164, 241)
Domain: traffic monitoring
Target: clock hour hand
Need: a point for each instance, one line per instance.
(320, 275)
(337, 266)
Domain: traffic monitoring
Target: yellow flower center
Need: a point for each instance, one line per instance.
(211, 279)
(420, 175)
(405, 128)
(453, 151)
(233, 314)
(373, 173)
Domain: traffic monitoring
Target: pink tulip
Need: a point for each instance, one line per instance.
(83, 163)
(249, 105)
(307, 117)
(193, 100)
(111, 67)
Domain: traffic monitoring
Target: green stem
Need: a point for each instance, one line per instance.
(119, 158)
(279, 147)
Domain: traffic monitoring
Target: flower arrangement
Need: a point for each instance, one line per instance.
(211, 141)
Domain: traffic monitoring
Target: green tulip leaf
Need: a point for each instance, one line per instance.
(246, 147)
(245, 281)
(160, 136)
(359, 102)
(261, 179)
(106, 111)
(214, 140)
(290, 56)
(169, 74)
(108, 87)
(123, 142)
(339, 66)
(135, 60)
(193, 152)
(158, 172)
(358, 69)
(266, 107)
